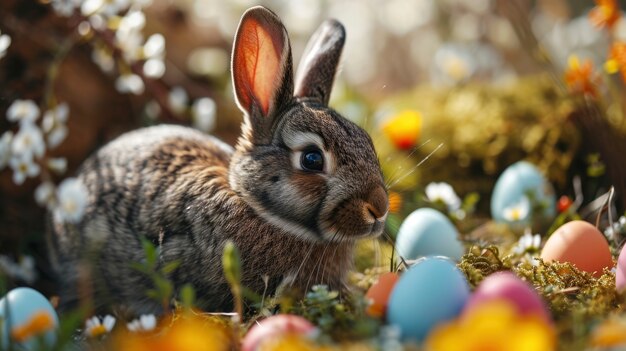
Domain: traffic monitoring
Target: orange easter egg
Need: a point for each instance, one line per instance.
(378, 294)
(580, 244)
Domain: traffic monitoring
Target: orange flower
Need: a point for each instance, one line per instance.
(610, 333)
(37, 325)
(580, 77)
(605, 14)
(404, 129)
(395, 202)
(616, 61)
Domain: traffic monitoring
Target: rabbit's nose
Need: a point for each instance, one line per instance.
(377, 203)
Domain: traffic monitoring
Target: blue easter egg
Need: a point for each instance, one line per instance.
(510, 193)
(428, 232)
(431, 292)
(17, 308)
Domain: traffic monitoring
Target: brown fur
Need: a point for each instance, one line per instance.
(189, 193)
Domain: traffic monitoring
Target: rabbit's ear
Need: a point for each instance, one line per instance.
(262, 69)
(316, 72)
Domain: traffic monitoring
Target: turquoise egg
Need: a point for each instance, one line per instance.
(431, 292)
(428, 232)
(17, 308)
(511, 191)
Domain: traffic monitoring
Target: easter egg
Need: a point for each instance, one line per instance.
(428, 232)
(510, 202)
(274, 327)
(378, 294)
(27, 314)
(580, 244)
(620, 273)
(431, 292)
(508, 287)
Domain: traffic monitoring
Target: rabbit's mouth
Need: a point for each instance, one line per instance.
(352, 223)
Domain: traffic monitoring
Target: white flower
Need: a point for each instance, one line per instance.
(178, 99)
(154, 68)
(24, 269)
(152, 109)
(443, 192)
(64, 8)
(95, 326)
(528, 243)
(45, 194)
(129, 83)
(57, 165)
(518, 211)
(23, 111)
(617, 228)
(53, 124)
(56, 115)
(142, 3)
(145, 323)
(154, 46)
(23, 166)
(453, 64)
(90, 7)
(128, 35)
(114, 7)
(5, 148)
(104, 59)
(72, 199)
(5, 41)
(203, 114)
(29, 141)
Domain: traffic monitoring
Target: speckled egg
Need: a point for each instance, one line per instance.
(580, 244)
(18, 309)
(378, 294)
(431, 292)
(620, 273)
(510, 194)
(273, 327)
(428, 232)
(508, 287)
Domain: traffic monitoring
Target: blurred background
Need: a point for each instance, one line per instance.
(451, 91)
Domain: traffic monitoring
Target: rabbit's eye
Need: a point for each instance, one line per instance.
(312, 160)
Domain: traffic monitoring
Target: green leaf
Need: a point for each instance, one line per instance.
(140, 267)
(231, 263)
(187, 296)
(151, 253)
(170, 267)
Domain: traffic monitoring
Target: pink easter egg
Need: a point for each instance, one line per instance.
(620, 273)
(273, 327)
(507, 286)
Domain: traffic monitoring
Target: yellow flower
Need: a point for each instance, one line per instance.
(609, 334)
(616, 62)
(580, 77)
(493, 326)
(183, 333)
(605, 13)
(404, 129)
(37, 325)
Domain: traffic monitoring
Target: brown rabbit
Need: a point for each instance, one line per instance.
(301, 186)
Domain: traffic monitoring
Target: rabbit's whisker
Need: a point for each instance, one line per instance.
(304, 260)
(413, 169)
(396, 172)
